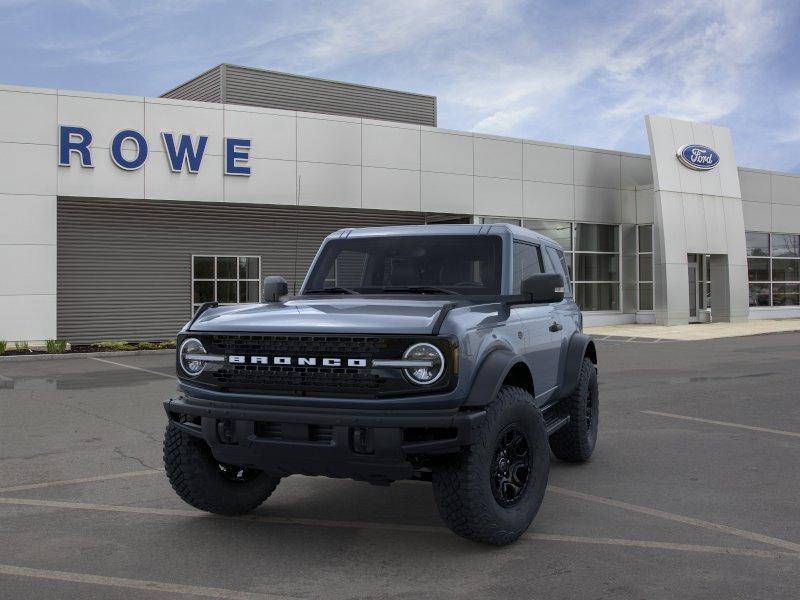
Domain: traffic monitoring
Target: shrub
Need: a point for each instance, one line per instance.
(113, 345)
(56, 346)
(147, 346)
(167, 344)
(22, 346)
(3, 345)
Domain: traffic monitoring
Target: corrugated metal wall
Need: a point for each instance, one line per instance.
(270, 89)
(124, 266)
(206, 87)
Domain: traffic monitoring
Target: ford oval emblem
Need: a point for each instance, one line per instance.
(697, 157)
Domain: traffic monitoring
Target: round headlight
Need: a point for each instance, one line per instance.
(187, 357)
(427, 353)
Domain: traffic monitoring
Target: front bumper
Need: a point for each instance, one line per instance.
(373, 445)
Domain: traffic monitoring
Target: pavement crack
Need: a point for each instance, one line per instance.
(118, 451)
(32, 456)
(149, 436)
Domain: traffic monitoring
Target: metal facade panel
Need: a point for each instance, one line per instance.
(206, 87)
(124, 266)
(270, 89)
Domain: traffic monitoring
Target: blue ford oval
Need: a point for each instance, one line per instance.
(698, 157)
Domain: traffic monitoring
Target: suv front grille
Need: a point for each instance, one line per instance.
(291, 379)
(301, 380)
(284, 345)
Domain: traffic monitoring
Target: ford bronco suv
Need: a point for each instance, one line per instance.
(445, 353)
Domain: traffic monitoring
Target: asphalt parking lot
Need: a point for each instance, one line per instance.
(693, 492)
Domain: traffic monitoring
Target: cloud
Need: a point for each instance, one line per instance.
(671, 60)
(582, 73)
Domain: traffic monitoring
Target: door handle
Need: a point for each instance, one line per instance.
(556, 327)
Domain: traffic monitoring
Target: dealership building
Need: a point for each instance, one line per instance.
(119, 215)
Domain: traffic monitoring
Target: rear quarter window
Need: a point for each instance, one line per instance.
(559, 264)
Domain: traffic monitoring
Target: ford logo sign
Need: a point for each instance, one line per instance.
(697, 157)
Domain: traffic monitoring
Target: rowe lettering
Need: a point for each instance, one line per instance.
(129, 150)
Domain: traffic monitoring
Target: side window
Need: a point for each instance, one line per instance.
(527, 262)
(225, 279)
(560, 263)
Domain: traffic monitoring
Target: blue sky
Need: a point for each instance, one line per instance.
(579, 73)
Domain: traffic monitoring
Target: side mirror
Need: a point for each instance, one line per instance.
(275, 286)
(544, 288)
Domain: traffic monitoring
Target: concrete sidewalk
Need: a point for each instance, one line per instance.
(696, 331)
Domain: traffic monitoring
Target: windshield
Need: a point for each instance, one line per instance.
(442, 264)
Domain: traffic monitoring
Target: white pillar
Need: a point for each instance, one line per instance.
(28, 172)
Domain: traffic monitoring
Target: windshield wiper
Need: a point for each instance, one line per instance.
(420, 289)
(332, 290)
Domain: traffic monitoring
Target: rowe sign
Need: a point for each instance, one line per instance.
(182, 151)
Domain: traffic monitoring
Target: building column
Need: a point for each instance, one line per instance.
(728, 293)
(28, 189)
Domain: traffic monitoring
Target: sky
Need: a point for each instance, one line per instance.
(581, 73)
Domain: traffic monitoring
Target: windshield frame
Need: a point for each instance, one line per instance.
(395, 290)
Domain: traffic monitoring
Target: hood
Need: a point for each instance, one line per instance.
(326, 315)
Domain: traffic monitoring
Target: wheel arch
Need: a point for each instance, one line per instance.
(500, 367)
(580, 346)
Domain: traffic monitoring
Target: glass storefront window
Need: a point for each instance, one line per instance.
(757, 243)
(785, 244)
(645, 267)
(758, 269)
(597, 296)
(225, 279)
(644, 249)
(785, 269)
(645, 238)
(590, 237)
(786, 294)
(559, 231)
(759, 294)
(499, 221)
(774, 275)
(226, 267)
(591, 257)
(596, 267)
(645, 296)
(204, 268)
(248, 267)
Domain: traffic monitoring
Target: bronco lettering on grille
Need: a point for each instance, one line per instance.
(298, 361)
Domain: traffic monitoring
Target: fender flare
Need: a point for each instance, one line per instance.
(580, 345)
(491, 374)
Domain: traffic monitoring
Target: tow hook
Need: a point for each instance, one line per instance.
(225, 431)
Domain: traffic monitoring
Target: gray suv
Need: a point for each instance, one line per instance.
(444, 353)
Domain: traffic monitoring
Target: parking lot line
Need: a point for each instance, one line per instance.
(653, 512)
(723, 423)
(47, 484)
(662, 545)
(176, 512)
(119, 364)
(137, 584)
(169, 512)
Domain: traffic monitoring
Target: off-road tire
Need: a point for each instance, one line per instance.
(198, 479)
(462, 484)
(575, 441)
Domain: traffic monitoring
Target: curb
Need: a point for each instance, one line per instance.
(73, 355)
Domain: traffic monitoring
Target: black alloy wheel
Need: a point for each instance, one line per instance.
(511, 466)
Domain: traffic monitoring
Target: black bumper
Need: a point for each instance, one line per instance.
(377, 446)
